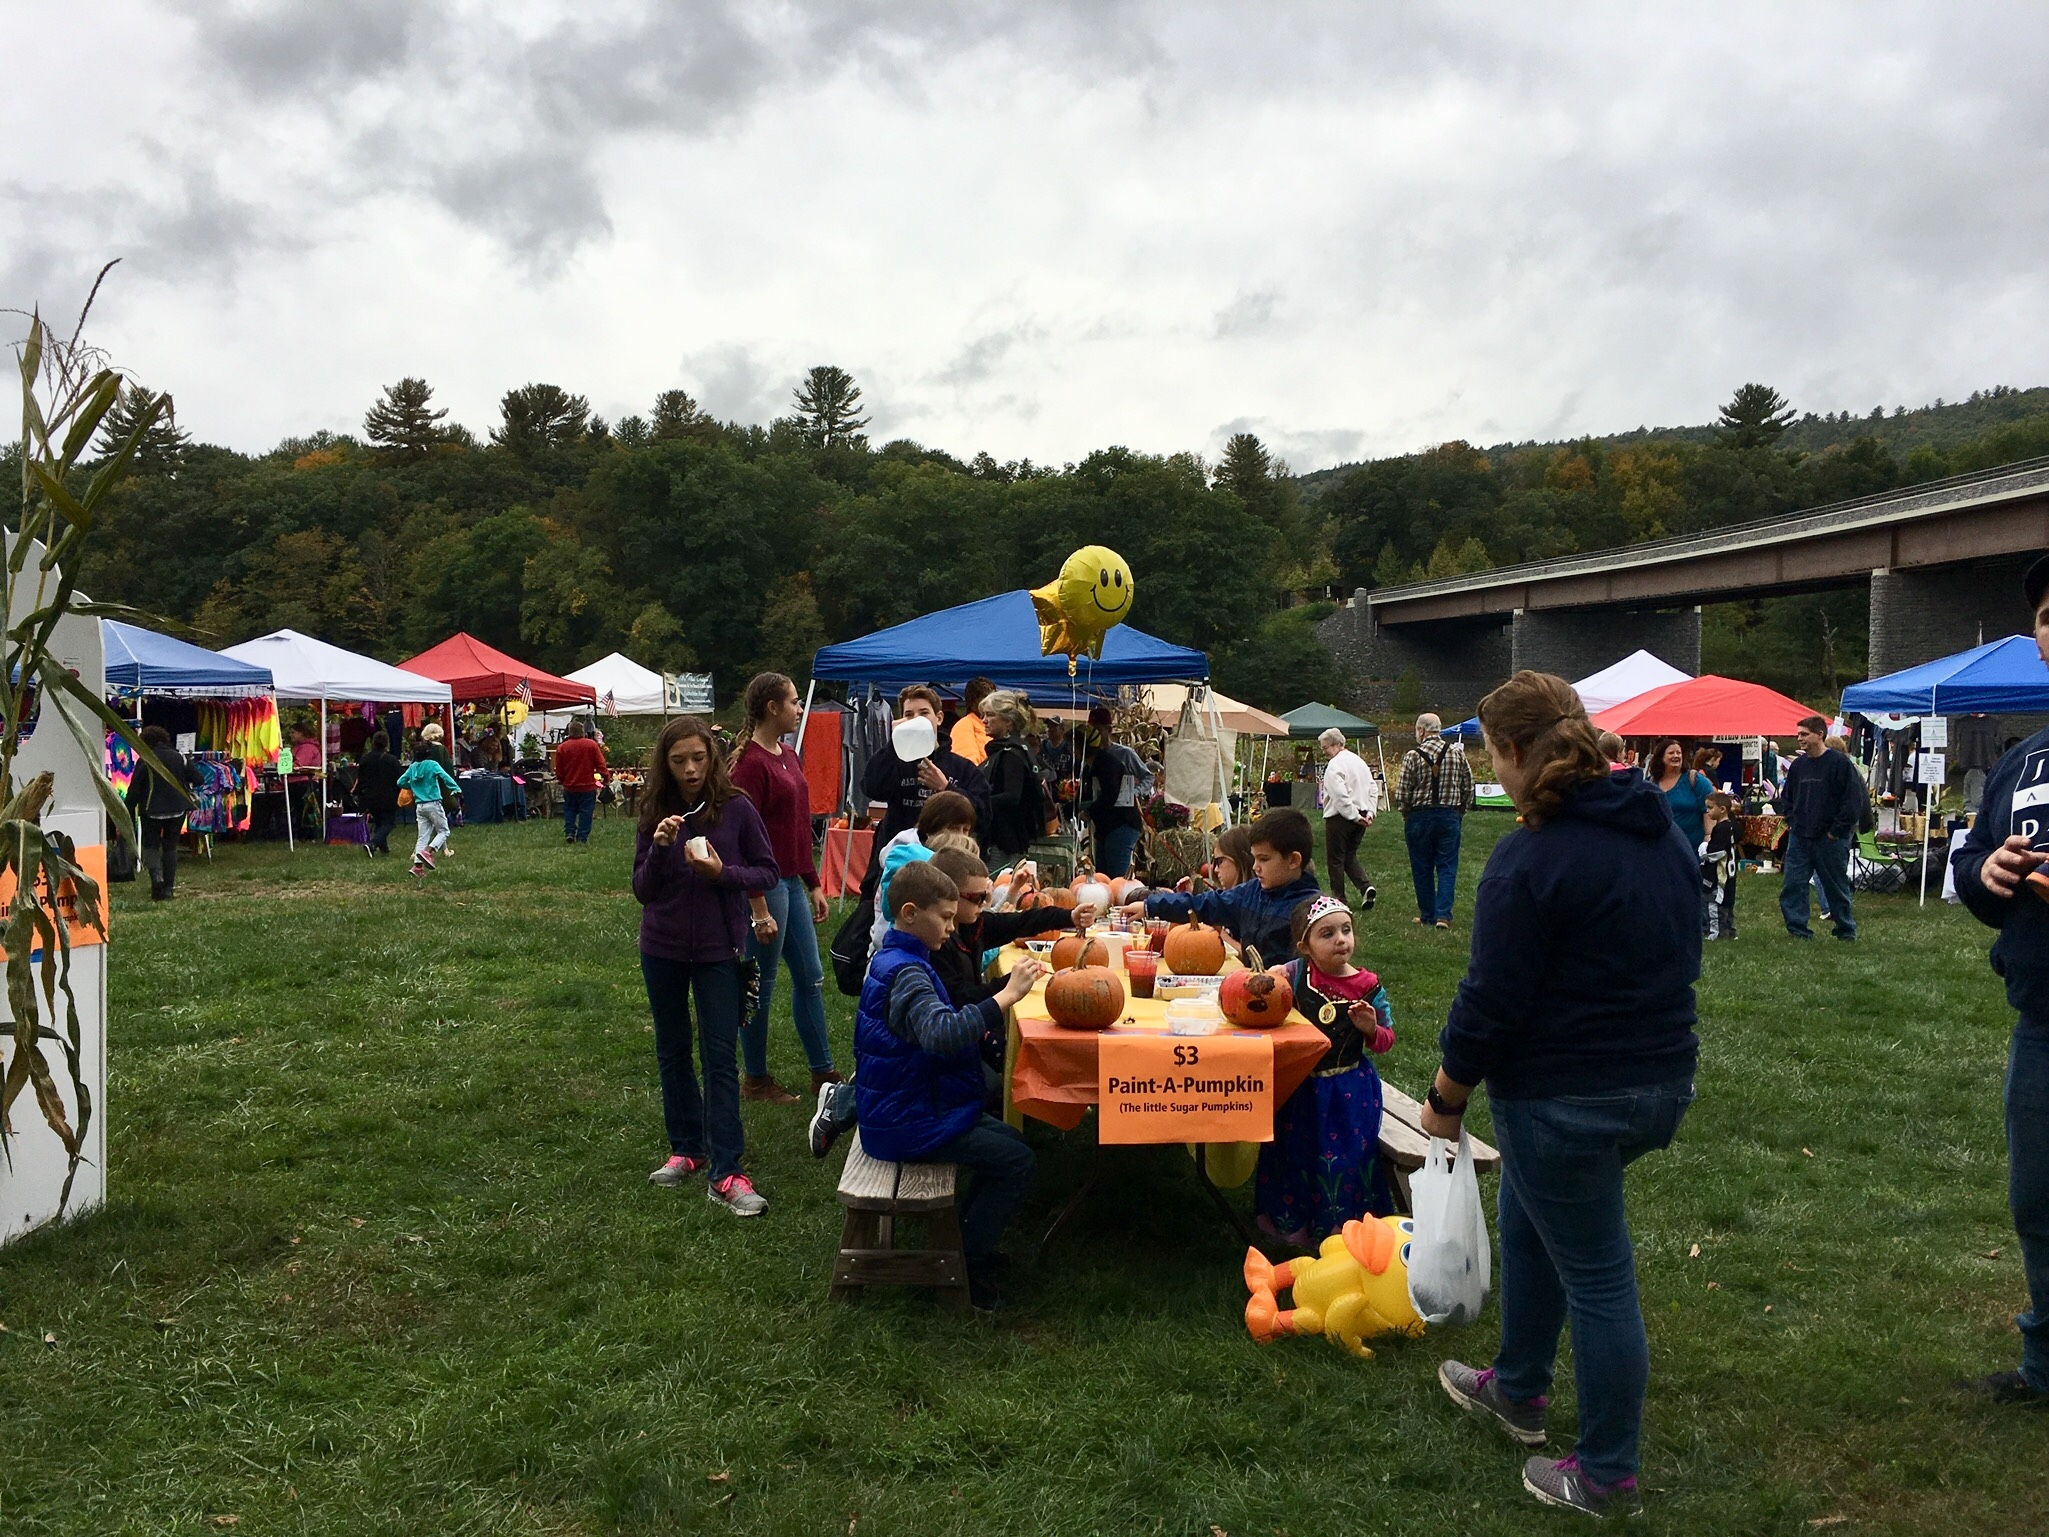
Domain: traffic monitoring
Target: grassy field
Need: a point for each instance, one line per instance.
(381, 1257)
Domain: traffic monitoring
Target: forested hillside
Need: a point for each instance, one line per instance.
(686, 542)
(693, 543)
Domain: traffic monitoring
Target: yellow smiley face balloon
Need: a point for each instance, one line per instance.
(1092, 593)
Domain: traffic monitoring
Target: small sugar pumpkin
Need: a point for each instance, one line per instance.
(1194, 949)
(1078, 950)
(1085, 998)
(1258, 1000)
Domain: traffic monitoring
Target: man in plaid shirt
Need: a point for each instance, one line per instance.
(1433, 790)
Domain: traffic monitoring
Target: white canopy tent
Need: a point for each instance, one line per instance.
(307, 669)
(1637, 673)
(634, 689)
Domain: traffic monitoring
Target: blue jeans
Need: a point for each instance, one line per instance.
(1114, 846)
(1002, 1163)
(1433, 835)
(2027, 1185)
(1565, 1252)
(1826, 860)
(796, 941)
(706, 1124)
(577, 806)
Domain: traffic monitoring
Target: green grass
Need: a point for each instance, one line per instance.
(380, 1257)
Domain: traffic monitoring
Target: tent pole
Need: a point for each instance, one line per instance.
(323, 768)
(805, 719)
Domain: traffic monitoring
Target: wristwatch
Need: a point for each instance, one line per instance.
(1442, 1106)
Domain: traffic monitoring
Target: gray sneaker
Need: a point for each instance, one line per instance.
(1475, 1391)
(834, 1115)
(677, 1170)
(736, 1193)
(1563, 1486)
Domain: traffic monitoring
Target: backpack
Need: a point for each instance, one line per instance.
(850, 946)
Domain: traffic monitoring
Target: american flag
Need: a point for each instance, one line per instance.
(610, 704)
(525, 691)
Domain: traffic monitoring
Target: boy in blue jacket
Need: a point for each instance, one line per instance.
(918, 1070)
(1256, 913)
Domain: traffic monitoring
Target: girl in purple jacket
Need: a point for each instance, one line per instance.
(702, 850)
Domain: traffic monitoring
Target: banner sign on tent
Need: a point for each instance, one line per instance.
(690, 693)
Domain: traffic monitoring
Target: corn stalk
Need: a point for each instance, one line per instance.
(66, 392)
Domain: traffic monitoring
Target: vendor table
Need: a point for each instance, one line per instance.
(1052, 1075)
(845, 860)
(491, 798)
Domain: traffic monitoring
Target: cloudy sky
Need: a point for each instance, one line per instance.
(1043, 227)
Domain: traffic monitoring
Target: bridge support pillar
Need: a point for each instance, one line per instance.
(1452, 662)
(1917, 616)
(1573, 644)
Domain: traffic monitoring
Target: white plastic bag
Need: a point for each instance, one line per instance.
(1450, 1261)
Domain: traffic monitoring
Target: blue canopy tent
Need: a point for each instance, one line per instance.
(998, 639)
(2001, 677)
(141, 661)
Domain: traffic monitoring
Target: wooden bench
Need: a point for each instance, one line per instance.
(1403, 1142)
(875, 1194)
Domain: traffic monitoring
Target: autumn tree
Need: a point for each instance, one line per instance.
(401, 423)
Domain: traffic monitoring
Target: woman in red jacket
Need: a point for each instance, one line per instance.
(769, 774)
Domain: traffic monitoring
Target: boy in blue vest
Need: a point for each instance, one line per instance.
(918, 1070)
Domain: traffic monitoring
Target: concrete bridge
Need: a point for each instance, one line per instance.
(1943, 562)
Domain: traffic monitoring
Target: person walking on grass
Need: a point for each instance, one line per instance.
(1994, 869)
(377, 792)
(1577, 1011)
(770, 776)
(1351, 797)
(580, 768)
(431, 785)
(162, 801)
(700, 849)
(1433, 790)
(1821, 800)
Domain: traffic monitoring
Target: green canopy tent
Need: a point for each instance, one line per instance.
(1312, 720)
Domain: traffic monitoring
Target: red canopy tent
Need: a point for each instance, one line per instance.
(474, 671)
(1706, 706)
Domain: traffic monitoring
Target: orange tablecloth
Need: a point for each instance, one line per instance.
(1054, 1078)
(847, 852)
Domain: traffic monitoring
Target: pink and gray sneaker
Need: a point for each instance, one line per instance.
(736, 1193)
(677, 1170)
(1564, 1486)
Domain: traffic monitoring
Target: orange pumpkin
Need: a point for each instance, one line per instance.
(1058, 896)
(1258, 1000)
(1085, 998)
(1078, 950)
(1194, 949)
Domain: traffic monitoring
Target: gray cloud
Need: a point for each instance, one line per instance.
(1247, 315)
(734, 384)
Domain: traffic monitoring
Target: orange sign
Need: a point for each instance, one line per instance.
(1185, 1088)
(94, 861)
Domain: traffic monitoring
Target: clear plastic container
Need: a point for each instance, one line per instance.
(1193, 1016)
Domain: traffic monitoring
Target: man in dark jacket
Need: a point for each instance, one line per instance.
(1821, 801)
(377, 791)
(162, 803)
(1995, 871)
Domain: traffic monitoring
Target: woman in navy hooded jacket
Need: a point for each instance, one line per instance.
(1577, 1012)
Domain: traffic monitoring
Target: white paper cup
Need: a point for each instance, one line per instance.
(698, 847)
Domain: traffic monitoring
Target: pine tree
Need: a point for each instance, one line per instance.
(633, 432)
(675, 415)
(1247, 472)
(539, 416)
(401, 422)
(829, 408)
(163, 444)
(1754, 417)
